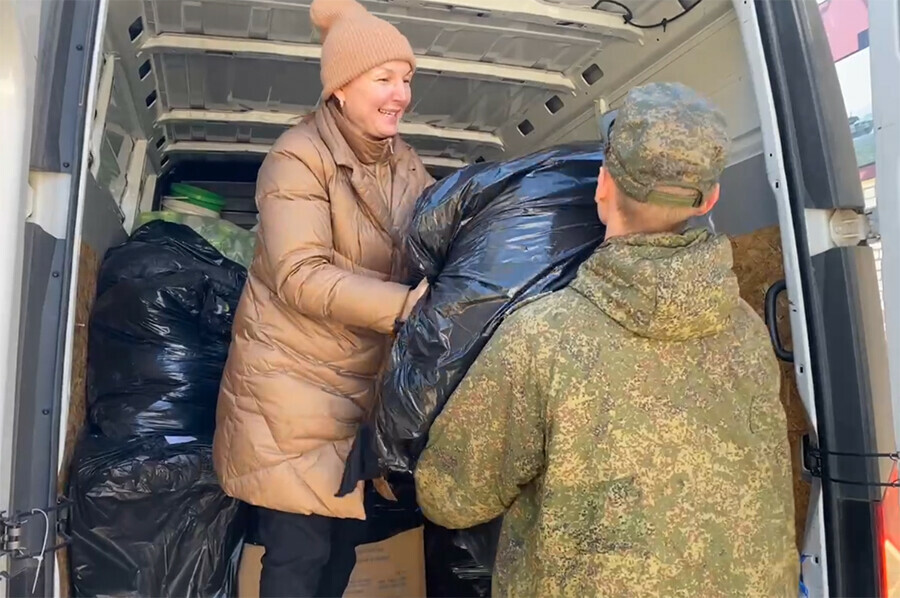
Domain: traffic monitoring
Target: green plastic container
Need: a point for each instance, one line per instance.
(199, 197)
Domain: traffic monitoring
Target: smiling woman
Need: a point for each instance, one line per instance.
(335, 194)
(377, 100)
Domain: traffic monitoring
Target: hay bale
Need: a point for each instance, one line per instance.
(758, 263)
(88, 267)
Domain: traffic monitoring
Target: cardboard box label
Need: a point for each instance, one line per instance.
(394, 568)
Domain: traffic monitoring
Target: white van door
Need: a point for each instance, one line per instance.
(48, 53)
(18, 27)
(829, 238)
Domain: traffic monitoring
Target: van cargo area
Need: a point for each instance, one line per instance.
(195, 92)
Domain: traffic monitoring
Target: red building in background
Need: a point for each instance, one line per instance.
(847, 27)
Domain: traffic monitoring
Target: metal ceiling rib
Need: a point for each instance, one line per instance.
(515, 75)
(219, 82)
(212, 147)
(287, 119)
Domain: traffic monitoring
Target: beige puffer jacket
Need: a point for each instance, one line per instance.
(312, 328)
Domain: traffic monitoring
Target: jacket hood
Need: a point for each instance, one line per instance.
(663, 286)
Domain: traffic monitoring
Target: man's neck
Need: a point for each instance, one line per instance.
(616, 227)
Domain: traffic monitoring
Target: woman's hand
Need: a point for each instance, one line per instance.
(413, 298)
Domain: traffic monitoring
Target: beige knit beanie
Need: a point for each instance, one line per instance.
(354, 41)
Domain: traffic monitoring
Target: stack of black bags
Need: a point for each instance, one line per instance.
(148, 516)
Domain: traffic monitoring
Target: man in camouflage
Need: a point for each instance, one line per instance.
(629, 426)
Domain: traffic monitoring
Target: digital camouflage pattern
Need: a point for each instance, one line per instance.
(667, 135)
(630, 428)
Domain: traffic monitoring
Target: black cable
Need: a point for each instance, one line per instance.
(816, 469)
(814, 452)
(629, 15)
(864, 484)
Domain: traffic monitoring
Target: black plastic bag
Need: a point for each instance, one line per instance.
(160, 332)
(149, 519)
(488, 238)
(387, 518)
(459, 563)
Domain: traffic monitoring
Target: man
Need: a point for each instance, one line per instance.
(629, 427)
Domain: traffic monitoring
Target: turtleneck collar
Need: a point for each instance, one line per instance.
(367, 150)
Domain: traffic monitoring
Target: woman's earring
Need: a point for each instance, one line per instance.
(341, 103)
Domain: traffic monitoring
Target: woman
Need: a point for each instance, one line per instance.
(335, 195)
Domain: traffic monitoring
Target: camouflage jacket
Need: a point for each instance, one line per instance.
(630, 429)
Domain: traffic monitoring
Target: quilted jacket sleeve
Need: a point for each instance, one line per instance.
(295, 218)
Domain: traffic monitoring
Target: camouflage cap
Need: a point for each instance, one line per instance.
(667, 135)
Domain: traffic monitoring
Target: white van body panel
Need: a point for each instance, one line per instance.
(19, 33)
(885, 55)
(20, 22)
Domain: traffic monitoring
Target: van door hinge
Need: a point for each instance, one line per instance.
(12, 543)
(814, 457)
(10, 534)
(828, 229)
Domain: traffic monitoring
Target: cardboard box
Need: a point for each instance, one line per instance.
(249, 571)
(394, 568)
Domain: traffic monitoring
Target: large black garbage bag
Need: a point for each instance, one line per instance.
(160, 248)
(488, 238)
(159, 333)
(149, 519)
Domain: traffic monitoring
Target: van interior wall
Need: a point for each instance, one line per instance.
(170, 99)
(711, 60)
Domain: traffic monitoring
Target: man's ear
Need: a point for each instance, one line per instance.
(603, 182)
(712, 198)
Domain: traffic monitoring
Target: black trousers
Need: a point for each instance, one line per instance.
(307, 556)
